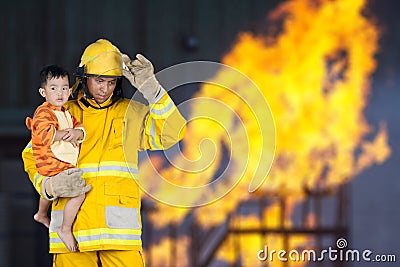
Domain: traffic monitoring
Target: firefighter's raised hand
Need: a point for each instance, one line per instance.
(68, 183)
(140, 73)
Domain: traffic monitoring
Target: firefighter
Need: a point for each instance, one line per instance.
(108, 225)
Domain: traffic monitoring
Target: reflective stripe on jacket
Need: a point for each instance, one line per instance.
(110, 218)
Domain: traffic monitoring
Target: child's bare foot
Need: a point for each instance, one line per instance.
(43, 219)
(69, 240)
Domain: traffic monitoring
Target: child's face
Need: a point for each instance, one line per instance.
(56, 91)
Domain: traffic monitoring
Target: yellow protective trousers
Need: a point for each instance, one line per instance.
(107, 258)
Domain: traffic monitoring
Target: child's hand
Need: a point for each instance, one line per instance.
(59, 135)
(73, 136)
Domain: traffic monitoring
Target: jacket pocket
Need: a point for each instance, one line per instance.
(122, 206)
(120, 217)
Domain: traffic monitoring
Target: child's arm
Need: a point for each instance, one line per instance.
(79, 130)
(74, 136)
(59, 135)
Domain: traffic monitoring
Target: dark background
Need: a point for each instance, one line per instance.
(36, 33)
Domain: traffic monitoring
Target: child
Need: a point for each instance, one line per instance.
(55, 143)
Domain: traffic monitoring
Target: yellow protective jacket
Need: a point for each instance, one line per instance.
(109, 218)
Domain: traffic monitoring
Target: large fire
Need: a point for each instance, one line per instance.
(315, 75)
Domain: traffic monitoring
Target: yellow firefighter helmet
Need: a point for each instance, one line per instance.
(101, 58)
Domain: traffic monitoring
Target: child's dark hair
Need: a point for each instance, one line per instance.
(51, 71)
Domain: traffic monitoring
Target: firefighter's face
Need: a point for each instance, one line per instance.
(101, 88)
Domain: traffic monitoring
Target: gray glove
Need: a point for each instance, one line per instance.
(140, 74)
(68, 183)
